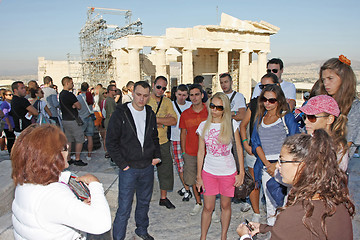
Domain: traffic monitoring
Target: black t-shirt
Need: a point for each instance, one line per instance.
(18, 112)
(67, 100)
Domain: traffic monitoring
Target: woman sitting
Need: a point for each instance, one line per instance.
(44, 207)
(318, 206)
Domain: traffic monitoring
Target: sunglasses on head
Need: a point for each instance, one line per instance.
(311, 118)
(160, 87)
(270, 100)
(219, 108)
(272, 70)
(262, 86)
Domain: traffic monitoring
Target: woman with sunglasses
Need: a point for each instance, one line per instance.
(273, 123)
(319, 205)
(322, 112)
(8, 119)
(44, 206)
(216, 171)
(249, 157)
(338, 80)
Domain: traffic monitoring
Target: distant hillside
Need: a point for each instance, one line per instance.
(24, 78)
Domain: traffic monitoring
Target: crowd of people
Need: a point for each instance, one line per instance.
(299, 164)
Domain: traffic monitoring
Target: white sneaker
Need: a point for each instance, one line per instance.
(215, 218)
(196, 209)
(244, 206)
(256, 217)
(73, 157)
(88, 158)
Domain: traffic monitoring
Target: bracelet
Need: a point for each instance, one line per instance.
(244, 140)
(182, 153)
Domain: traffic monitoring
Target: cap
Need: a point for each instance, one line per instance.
(319, 104)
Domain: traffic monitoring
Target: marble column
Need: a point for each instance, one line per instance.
(187, 66)
(244, 75)
(134, 64)
(160, 64)
(223, 66)
(121, 61)
(261, 64)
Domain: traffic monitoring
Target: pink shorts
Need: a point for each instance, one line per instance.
(218, 184)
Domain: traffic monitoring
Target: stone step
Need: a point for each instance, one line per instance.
(6, 188)
(6, 230)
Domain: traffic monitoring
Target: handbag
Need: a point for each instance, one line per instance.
(248, 185)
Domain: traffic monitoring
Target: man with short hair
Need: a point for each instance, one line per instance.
(50, 97)
(165, 117)
(132, 142)
(86, 113)
(276, 66)
(237, 100)
(69, 106)
(21, 109)
(189, 122)
(180, 105)
(110, 104)
(128, 97)
(200, 80)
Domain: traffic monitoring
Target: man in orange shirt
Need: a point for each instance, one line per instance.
(189, 122)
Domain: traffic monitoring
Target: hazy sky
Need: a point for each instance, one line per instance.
(309, 30)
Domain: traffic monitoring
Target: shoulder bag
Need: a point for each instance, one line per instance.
(77, 118)
(248, 185)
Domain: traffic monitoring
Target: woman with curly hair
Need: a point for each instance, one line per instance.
(319, 205)
(339, 81)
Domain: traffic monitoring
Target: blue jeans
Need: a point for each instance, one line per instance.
(133, 180)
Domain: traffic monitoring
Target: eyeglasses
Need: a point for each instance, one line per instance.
(160, 87)
(219, 108)
(285, 161)
(311, 118)
(270, 100)
(272, 70)
(262, 86)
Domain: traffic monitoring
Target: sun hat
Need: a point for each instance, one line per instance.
(319, 104)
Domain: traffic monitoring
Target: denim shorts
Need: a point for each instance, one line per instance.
(88, 126)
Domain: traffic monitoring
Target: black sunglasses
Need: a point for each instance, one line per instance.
(270, 100)
(272, 70)
(311, 118)
(285, 161)
(219, 108)
(262, 86)
(160, 87)
(9, 94)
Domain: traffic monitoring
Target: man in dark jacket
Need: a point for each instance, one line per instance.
(133, 144)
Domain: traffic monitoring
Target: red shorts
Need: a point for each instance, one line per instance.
(214, 184)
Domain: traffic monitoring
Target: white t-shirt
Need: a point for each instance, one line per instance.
(175, 130)
(237, 102)
(288, 88)
(218, 159)
(140, 122)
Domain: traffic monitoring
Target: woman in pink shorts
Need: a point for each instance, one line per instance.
(216, 171)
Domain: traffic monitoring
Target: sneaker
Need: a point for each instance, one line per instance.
(356, 155)
(215, 218)
(145, 236)
(196, 209)
(88, 158)
(187, 196)
(107, 155)
(256, 217)
(79, 163)
(73, 157)
(166, 202)
(244, 207)
(182, 191)
(71, 161)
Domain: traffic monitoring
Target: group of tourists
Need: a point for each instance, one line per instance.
(210, 138)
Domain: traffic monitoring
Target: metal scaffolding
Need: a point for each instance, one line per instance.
(95, 43)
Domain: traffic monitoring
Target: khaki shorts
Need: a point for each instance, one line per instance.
(190, 169)
(73, 132)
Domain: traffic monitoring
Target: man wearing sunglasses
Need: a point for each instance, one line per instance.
(165, 117)
(237, 100)
(276, 66)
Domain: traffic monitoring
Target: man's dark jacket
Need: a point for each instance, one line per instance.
(123, 144)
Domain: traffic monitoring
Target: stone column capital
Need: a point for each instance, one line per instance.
(188, 49)
(134, 49)
(245, 51)
(224, 50)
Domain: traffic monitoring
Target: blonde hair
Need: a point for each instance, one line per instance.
(225, 135)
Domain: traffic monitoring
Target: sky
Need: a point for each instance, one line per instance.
(309, 30)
